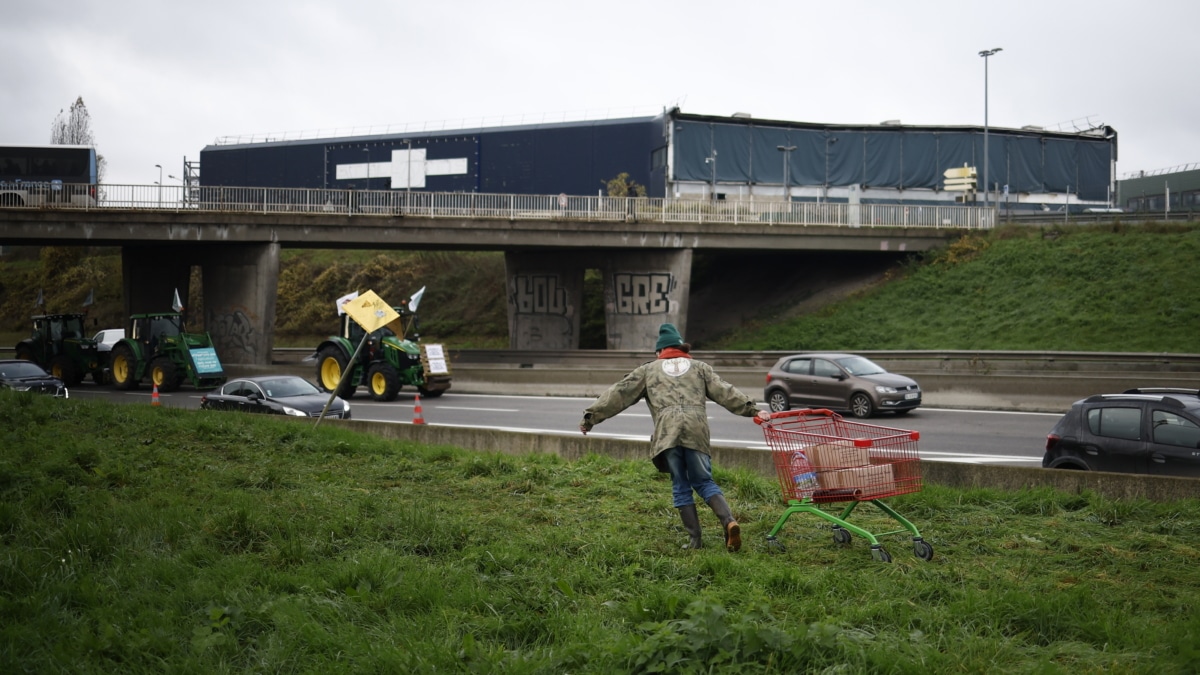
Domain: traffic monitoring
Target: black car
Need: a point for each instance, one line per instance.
(21, 375)
(274, 395)
(1149, 430)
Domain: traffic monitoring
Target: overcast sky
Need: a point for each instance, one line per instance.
(162, 80)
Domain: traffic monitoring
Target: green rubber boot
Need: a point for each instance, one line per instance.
(691, 523)
(733, 532)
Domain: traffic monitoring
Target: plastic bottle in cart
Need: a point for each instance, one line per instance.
(803, 475)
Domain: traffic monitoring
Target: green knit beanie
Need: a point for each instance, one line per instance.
(668, 336)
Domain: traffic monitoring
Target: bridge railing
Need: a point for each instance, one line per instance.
(400, 203)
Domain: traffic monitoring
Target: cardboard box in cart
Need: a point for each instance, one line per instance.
(867, 481)
(846, 465)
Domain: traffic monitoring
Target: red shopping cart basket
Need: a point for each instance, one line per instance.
(822, 458)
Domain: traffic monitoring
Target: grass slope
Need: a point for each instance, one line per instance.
(148, 540)
(1114, 288)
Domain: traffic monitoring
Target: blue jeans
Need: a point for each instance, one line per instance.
(690, 470)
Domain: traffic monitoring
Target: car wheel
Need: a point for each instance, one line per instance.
(124, 367)
(860, 406)
(777, 400)
(331, 361)
(164, 374)
(383, 382)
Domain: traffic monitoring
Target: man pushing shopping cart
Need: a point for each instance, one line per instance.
(676, 388)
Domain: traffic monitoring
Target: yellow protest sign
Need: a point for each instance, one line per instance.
(370, 311)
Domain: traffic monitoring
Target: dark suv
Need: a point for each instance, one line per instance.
(1149, 430)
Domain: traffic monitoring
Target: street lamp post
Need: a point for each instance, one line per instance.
(159, 184)
(828, 142)
(713, 160)
(408, 180)
(986, 186)
(786, 150)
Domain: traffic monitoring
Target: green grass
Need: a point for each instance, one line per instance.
(1096, 289)
(148, 540)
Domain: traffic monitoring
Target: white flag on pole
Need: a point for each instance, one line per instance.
(415, 300)
(176, 304)
(343, 300)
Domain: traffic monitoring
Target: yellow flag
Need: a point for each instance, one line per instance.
(370, 311)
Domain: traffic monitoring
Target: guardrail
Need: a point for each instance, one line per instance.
(966, 361)
(470, 205)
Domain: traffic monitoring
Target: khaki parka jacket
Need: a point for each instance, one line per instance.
(675, 390)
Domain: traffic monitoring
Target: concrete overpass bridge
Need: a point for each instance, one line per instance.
(644, 246)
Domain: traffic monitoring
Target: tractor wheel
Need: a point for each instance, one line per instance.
(25, 353)
(383, 382)
(331, 362)
(64, 369)
(164, 374)
(124, 365)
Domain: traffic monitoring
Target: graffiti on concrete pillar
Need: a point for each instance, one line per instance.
(233, 333)
(642, 293)
(539, 294)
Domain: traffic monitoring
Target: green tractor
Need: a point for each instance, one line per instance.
(387, 361)
(57, 344)
(157, 347)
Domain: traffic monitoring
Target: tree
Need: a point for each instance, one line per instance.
(621, 186)
(75, 128)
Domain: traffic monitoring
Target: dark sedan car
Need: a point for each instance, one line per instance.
(274, 395)
(839, 382)
(1149, 430)
(21, 375)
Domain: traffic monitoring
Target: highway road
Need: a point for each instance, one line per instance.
(951, 435)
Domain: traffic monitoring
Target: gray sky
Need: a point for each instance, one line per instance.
(164, 79)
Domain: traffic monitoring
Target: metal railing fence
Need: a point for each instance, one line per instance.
(401, 203)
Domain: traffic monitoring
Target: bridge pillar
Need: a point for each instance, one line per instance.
(240, 283)
(545, 293)
(643, 289)
(240, 286)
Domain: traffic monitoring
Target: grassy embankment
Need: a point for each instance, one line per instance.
(149, 540)
(1120, 288)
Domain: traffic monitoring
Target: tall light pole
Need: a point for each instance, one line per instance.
(986, 186)
(159, 184)
(786, 150)
(828, 142)
(408, 180)
(713, 160)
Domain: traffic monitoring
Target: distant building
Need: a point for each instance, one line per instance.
(680, 155)
(1162, 191)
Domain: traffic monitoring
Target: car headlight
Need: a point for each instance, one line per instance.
(293, 412)
(345, 406)
(885, 390)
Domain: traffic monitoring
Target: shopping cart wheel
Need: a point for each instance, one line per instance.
(774, 545)
(880, 553)
(922, 548)
(841, 535)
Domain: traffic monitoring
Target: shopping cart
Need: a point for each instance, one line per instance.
(821, 458)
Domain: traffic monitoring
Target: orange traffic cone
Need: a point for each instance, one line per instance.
(417, 419)
(154, 396)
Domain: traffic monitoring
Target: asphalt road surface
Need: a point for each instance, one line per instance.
(975, 436)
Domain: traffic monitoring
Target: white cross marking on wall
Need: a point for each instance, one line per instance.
(407, 169)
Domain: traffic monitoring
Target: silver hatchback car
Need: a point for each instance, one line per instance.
(839, 382)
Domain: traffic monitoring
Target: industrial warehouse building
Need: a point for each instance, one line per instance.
(687, 156)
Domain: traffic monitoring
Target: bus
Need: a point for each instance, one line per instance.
(47, 175)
